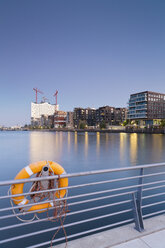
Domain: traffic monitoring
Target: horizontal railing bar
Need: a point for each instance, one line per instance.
(155, 187)
(101, 198)
(22, 214)
(24, 224)
(71, 213)
(3, 183)
(154, 195)
(71, 224)
(82, 195)
(57, 189)
(153, 204)
(83, 185)
(28, 205)
(154, 213)
(83, 233)
(69, 204)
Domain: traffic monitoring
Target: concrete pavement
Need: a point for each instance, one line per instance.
(125, 237)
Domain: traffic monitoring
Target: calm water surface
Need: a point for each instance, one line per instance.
(76, 152)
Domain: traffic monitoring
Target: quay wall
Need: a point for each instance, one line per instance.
(122, 130)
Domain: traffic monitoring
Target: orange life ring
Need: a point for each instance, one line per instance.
(27, 172)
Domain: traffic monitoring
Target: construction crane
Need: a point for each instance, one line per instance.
(44, 99)
(37, 91)
(55, 95)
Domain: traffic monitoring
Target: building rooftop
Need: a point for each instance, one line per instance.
(147, 91)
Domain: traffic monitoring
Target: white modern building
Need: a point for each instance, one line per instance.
(42, 109)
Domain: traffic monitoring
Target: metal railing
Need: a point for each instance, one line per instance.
(97, 200)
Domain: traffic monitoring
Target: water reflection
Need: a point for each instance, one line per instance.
(95, 150)
(45, 146)
(75, 140)
(86, 144)
(133, 147)
(98, 143)
(123, 139)
(157, 146)
(69, 142)
(61, 140)
(106, 139)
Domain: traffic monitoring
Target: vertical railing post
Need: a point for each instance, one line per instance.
(139, 198)
(137, 203)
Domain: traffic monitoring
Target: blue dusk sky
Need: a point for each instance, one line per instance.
(95, 52)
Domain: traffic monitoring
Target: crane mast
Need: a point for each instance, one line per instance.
(37, 91)
(55, 95)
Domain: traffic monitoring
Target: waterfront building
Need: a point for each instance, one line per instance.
(60, 119)
(69, 119)
(110, 115)
(146, 107)
(120, 115)
(44, 108)
(35, 122)
(41, 109)
(91, 117)
(106, 115)
(87, 116)
(79, 116)
(47, 121)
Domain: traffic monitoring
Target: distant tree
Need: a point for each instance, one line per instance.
(162, 123)
(102, 125)
(125, 123)
(82, 125)
(52, 126)
(64, 125)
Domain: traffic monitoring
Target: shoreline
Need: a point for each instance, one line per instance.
(130, 130)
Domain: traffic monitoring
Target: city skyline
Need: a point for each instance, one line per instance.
(95, 53)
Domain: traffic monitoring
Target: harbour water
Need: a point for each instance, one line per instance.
(76, 152)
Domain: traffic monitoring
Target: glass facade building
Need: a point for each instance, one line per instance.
(146, 105)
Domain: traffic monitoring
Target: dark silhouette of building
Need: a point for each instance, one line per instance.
(69, 119)
(94, 117)
(120, 115)
(105, 115)
(84, 115)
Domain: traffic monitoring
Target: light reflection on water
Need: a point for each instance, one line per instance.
(75, 141)
(98, 150)
(78, 151)
(68, 142)
(98, 143)
(157, 146)
(86, 145)
(133, 148)
(122, 146)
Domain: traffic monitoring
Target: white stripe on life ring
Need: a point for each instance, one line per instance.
(51, 203)
(29, 171)
(22, 202)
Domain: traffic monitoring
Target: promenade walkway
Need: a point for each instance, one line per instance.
(126, 237)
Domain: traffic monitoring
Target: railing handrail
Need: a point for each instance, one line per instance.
(84, 185)
(87, 173)
(131, 200)
(88, 194)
